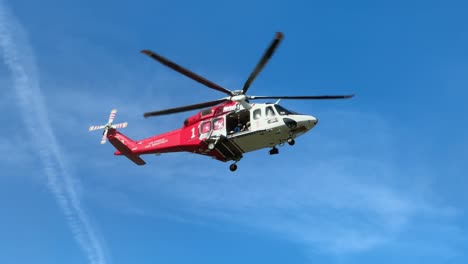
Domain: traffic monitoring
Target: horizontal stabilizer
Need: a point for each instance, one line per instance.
(124, 150)
(136, 159)
(127, 152)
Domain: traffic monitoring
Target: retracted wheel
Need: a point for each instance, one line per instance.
(291, 141)
(233, 167)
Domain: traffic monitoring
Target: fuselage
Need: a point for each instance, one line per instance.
(226, 131)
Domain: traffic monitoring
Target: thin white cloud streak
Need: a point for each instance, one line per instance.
(19, 58)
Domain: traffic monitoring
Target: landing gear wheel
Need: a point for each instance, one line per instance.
(211, 146)
(233, 167)
(274, 151)
(291, 141)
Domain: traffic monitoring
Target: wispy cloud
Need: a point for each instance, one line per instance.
(19, 58)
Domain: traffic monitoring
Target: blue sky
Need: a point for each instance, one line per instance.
(382, 177)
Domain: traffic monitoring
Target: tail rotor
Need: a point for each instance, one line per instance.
(107, 126)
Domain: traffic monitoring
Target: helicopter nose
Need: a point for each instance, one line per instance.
(311, 121)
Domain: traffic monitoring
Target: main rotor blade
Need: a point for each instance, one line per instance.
(184, 108)
(307, 97)
(263, 61)
(186, 72)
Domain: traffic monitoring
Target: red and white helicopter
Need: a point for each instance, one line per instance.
(226, 128)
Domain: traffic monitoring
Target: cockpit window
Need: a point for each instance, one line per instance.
(270, 112)
(283, 111)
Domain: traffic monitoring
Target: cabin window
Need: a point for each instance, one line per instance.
(205, 127)
(270, 112)
(218, 123)
(257, 114)
(283, 111)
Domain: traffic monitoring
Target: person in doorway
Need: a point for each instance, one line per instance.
(239, 127)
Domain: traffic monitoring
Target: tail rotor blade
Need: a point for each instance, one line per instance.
(104, 137)
(112, 116)
(93, 128)
(108, 126)
(120, 125)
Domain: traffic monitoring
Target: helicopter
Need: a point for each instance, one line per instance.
(224, 129)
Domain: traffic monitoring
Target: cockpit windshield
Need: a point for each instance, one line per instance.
(283, 111)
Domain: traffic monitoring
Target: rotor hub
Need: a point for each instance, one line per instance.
(238, 98)
(237, 92)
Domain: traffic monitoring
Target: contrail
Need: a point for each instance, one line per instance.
(19, 58)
